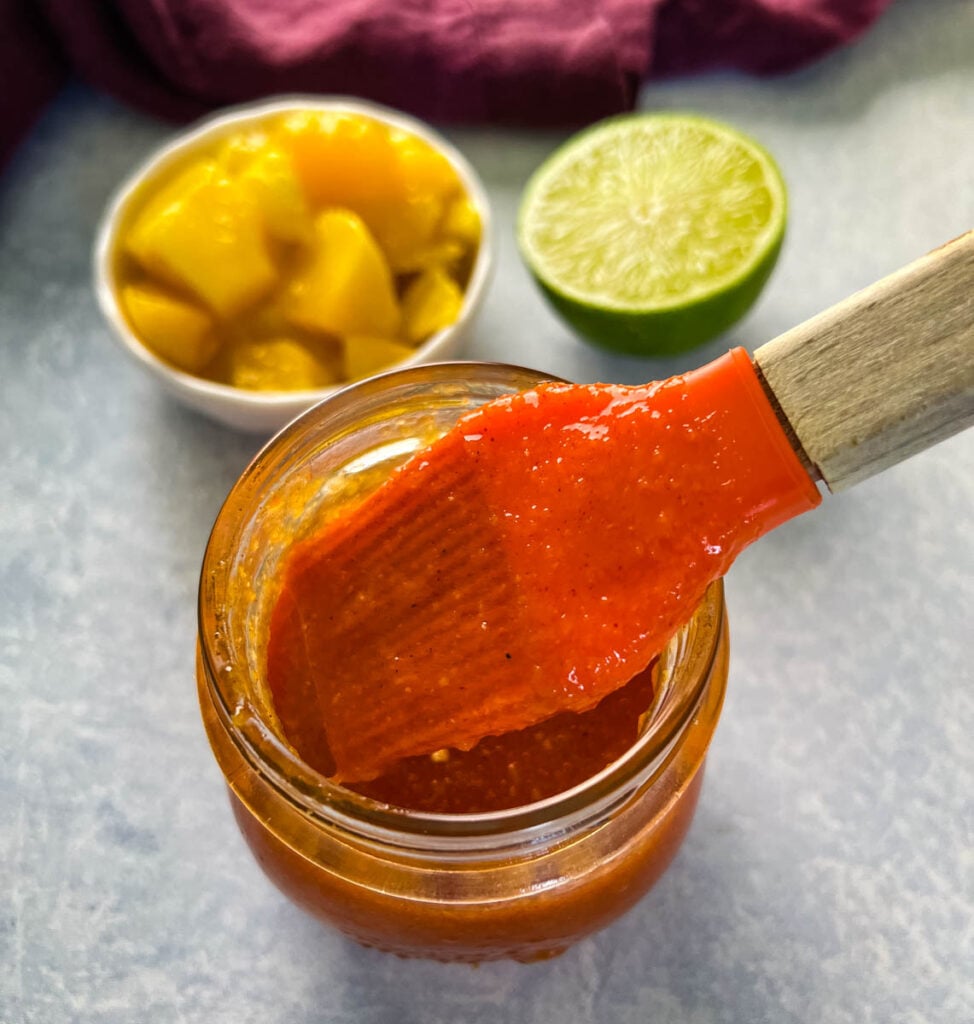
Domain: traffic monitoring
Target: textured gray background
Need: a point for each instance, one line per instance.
(829, 874)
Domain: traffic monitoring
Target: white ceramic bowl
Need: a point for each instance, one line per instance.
(267, 411)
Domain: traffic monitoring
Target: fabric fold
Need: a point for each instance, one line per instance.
(542, 63)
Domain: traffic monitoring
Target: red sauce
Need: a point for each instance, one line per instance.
(528, 564)
(505, 771)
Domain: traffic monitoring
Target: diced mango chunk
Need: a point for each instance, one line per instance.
(366, 355)
(265, 320)
(206, 234)
(174, 329)
(279, 196)
(137, 241)
(239, 149)
(405, 228)
(278, 364)
(445, 255)
(423, 169)
(461, 222)
(346, 288)
(342, 159)
(431, 302)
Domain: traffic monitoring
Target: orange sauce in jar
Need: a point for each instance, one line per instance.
(510, 770)
(515, 848)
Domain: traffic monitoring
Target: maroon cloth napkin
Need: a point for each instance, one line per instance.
(32, 69)
(529, 62)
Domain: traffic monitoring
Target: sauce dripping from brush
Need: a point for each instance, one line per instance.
(500, 772)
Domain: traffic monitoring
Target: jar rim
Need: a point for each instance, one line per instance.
(683, 670)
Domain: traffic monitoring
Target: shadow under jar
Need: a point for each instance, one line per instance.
(520, 883)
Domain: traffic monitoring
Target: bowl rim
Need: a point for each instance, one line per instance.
(180, 381)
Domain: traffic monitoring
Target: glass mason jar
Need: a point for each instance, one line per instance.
(522, 883)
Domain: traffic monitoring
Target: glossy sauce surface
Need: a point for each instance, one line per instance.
(529, 563)
(500, 772)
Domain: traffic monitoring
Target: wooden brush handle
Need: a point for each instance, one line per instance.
(884, 374)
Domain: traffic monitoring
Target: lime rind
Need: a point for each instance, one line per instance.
(694, 310)
(674, 329)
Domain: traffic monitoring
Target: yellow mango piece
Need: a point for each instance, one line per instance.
(206, 234)
(430, 303)
(265, 320)
(172, 328)
(405, 227)
(424, 170)
(461, 222)
(266, 169)
(279, 364)
(366, 355)
(342, 159)
(445, 255)
(164, 197)
(239, 150)
(279, 195)
(346, 287)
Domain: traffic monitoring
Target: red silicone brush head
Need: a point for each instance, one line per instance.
(530, 562)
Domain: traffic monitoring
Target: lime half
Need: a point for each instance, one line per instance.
(653, 233)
